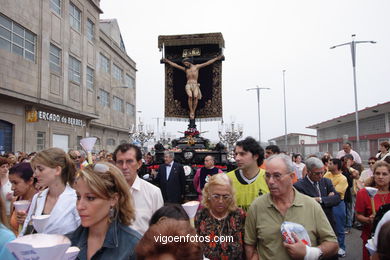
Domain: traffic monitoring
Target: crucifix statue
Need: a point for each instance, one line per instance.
(192, 86)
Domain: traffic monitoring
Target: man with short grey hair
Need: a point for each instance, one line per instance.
(321, 189)
(263, 238)
(171, 179)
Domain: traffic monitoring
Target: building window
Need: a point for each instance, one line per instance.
(117, 104)
(104, 63)
(55, 59)
(74, 70)
(78, 145)
(130, 109)
(74, 17)
(111, 142)
(90, 78)
(117, 73)
(41, 140)
(55, 5)
(122, 45)
(17, 39)
(104, 98)
(130, 82)
(90, 30)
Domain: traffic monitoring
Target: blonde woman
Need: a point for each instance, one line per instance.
(105, 207)
(55, 170)
(220, 217)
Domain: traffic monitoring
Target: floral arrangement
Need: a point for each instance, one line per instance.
(191, 132)
(153, 167)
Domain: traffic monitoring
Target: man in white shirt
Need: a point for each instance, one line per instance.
(347, 149)
(147, 197)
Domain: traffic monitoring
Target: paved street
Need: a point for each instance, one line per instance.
(354, 245)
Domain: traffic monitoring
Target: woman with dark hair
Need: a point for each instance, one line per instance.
(6, 235)
(53, 169)
(299, 166)
(384, 148)
(23, 186)
(364, 211)
(106, 210)
(156, 244)
(173, 211)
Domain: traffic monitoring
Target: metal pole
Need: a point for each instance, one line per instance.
(257, 88)
(352, 45)
(353, 52)
(285, 113)
(258, 111)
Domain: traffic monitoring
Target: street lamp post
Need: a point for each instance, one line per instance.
(257, 88)
(158, 126)
(352, 45)
(285, 113)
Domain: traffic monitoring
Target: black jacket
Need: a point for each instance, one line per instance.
(172, 189)
(304, 186)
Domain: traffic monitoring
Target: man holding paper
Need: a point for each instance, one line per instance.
(263, 238)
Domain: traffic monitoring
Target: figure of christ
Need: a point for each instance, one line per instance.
(192, 73)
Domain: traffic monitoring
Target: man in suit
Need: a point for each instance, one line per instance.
(171, 179)
(321, 189)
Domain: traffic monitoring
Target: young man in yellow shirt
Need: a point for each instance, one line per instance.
(248, 179)
(340, 184)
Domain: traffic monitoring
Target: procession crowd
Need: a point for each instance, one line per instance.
(109, 212)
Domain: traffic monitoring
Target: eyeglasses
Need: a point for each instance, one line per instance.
(370, 163)
(275, 176)
(318, 173)
(217, 197)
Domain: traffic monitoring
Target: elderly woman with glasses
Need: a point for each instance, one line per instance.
(106, 210)
(220, 223)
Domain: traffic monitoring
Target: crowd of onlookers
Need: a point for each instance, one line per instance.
(109, 212)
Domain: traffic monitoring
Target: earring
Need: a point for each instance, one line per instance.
(111, 213)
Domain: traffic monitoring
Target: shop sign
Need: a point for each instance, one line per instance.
(31, 116)
(60, 119)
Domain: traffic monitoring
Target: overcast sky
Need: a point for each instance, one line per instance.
(261, 39)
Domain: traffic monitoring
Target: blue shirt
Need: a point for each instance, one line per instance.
(119, 243)
(6, 236)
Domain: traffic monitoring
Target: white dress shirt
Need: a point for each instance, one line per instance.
(168, 169)
(64, 217)
(147, 199)
(356, 156)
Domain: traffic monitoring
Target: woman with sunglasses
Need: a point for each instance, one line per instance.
(220, 218)
(55, 170)
(105, 206)
(363, 208)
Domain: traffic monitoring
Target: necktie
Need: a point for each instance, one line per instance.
(317, 188)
